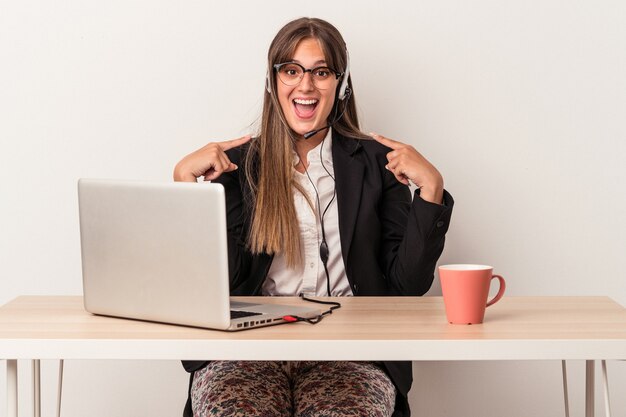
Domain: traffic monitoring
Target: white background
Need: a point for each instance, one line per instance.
(520, 104)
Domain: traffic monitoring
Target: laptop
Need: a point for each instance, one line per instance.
(157, 251)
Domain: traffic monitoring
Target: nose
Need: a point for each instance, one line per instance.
(306, 83)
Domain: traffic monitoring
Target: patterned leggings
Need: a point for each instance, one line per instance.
(302, 389)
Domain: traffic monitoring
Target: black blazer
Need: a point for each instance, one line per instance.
(390, 243)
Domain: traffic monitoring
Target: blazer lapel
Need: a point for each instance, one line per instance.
(348, 183)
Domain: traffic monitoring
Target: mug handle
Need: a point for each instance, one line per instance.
(500, 291)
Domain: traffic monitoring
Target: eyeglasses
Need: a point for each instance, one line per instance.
(291, 73)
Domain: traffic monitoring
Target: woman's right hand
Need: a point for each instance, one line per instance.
(209, 161)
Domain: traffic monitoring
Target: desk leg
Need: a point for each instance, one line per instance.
(590, 389)
(36, 387)
(565, 389)
(605, 383)
(11, 388)
(60, 388)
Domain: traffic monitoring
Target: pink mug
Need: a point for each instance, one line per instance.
(465, 290)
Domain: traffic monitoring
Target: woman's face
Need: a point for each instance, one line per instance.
(307, 108)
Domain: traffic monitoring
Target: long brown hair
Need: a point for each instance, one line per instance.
(269, 161)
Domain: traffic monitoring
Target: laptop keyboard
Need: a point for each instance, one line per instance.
(237, 314)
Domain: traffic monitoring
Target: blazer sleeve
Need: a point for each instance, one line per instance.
(412, 236)
(239, 258)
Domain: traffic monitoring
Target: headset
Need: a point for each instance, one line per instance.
(344, 90)
(343, 95)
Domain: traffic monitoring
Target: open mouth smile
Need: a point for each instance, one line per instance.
(305, 108)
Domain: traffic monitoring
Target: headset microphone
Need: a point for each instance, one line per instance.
(346, 96)
(307, 135)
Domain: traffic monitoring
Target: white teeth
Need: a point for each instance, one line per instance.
(305, 102)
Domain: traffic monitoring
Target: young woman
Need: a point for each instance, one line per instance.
(316, 207)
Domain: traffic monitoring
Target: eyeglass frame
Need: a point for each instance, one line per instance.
(277, 67)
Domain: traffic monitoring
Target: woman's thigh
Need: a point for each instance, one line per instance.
(342, 389)
(241, 388)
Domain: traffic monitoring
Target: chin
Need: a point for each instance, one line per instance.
(301, 130)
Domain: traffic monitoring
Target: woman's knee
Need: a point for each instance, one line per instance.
(241, 388)
(344, 389)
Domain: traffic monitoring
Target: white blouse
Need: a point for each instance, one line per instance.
(310, 278)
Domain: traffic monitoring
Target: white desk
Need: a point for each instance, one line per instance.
(398, 328)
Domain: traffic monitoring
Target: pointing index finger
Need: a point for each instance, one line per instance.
(385, 141)
(229, 144)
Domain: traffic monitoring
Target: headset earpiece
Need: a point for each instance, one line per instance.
(344, 90)
(347, 94)
(268, 85)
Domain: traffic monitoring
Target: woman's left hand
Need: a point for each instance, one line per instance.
(408, 164)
